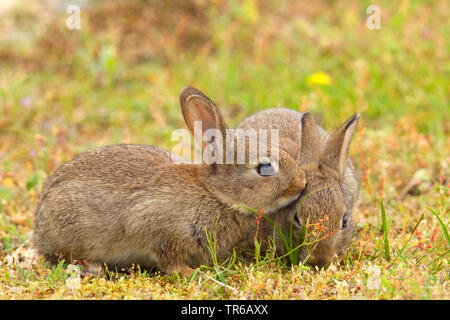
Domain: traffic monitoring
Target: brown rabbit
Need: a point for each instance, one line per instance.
(130, 204)
(332, 187)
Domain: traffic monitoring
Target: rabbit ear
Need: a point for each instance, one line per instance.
(335, 153)
(197, 107)
(289, 146)
(309, 137)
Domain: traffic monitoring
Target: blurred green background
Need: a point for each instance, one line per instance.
(117, 78)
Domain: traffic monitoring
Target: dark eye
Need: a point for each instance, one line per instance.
(297, 222)
(265, 169)
(344, 221)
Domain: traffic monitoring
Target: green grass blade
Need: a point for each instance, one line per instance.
(443, 226)
(385, 231)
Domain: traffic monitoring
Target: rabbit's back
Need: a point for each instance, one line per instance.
(93, 205)
(124, 165)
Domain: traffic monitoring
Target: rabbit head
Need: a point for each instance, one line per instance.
(326, 203)
(232, 168)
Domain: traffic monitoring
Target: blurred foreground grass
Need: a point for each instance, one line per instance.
(117, 79)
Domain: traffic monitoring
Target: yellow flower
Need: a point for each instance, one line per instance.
(8, 182)
(250, 11)
(318, 78)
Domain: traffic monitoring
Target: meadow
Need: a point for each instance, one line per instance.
(117, 80)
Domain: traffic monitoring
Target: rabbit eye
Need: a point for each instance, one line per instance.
(344, 221)
(297, 222)
(265, 169)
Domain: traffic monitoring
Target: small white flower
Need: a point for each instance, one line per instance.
(374, 279)
(73, 283)
(74, 270)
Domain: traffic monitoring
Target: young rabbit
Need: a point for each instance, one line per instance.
(131, 204)
(332, 187)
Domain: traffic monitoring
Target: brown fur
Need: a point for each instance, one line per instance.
(130, 204)
(325, 162)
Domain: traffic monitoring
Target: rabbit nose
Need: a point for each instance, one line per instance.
(321, 260)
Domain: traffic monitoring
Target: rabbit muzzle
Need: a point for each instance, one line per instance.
(321, 257)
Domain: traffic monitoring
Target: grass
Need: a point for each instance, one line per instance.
(386, 227)
(64, 91)
(443, 226)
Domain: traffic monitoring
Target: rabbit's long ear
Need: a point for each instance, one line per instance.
(335, 153)
(309, 137)
(197, 107)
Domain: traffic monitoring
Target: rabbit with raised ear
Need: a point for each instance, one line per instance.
(130, 204)
(332, 187)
